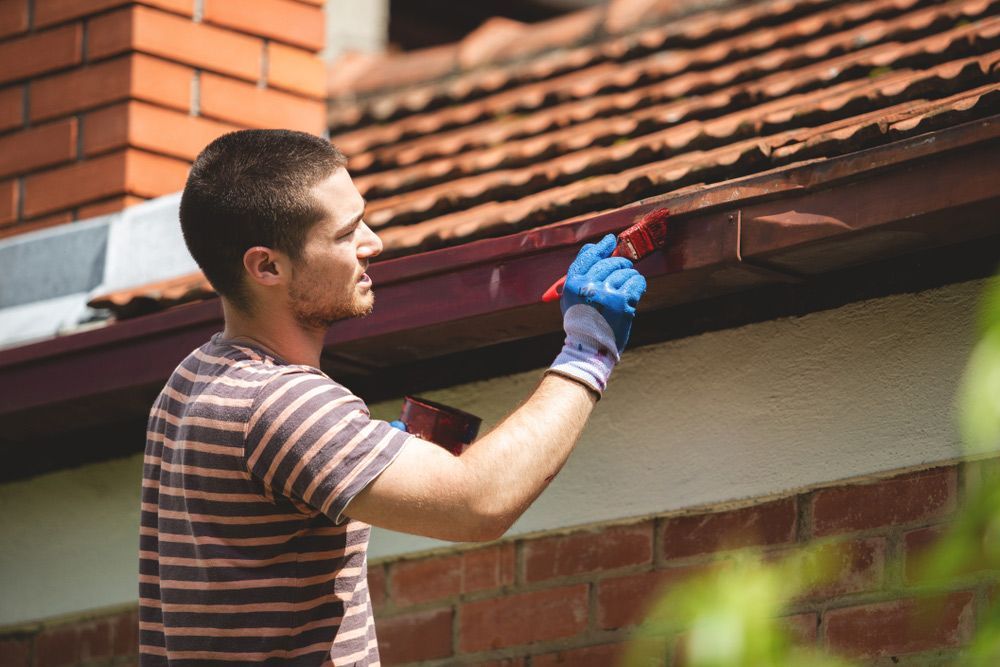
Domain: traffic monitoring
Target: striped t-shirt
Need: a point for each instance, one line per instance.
(244, 556)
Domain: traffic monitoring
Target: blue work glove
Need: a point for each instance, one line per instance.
(598, 305)
(398, 424)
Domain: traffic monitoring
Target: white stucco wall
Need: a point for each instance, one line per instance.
(726, 415)
(69, 541)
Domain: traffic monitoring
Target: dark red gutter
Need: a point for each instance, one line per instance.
(781, 225)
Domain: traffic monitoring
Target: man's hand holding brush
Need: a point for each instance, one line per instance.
(598, 303)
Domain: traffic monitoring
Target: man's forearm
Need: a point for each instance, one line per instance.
(515, 461)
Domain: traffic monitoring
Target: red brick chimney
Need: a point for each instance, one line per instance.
(105, 103)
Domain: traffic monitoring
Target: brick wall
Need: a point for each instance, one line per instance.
(572, 598)
(104, 103)
(104, 639)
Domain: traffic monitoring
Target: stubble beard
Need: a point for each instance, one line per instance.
(311, 308)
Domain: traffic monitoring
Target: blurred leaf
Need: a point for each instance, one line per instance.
(979, 398)
(732, 615)
(989, 308)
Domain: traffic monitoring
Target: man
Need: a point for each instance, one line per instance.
(262, 474)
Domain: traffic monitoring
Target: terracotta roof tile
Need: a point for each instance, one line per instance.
(155, 296)
(700, 29)
(522, 126)
(720, 62)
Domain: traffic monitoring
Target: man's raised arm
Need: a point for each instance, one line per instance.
(477, 496)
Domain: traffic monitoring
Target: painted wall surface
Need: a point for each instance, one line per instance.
(69, 540)
(746, 412)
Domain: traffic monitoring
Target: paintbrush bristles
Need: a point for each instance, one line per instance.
(644, 236)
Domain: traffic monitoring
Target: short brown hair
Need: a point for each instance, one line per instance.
(250, 188)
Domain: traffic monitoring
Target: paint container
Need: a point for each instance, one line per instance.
(449, 427)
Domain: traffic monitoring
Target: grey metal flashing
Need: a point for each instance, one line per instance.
(53, 262)
(50, 274)
(145, 245)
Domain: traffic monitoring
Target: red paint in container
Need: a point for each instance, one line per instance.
(449, 427)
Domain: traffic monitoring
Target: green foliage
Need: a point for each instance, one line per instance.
(979, 398)
(972, 543)
(732, 615)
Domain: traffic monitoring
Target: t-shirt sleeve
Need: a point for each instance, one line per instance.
(310, 439)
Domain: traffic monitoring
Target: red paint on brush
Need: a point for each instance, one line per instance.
(642, 238)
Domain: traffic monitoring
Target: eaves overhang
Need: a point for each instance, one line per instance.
(788, 224)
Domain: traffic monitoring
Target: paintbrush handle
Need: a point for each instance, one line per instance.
(635, 243)
(554, 292)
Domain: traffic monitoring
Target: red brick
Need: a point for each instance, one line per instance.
(523, 619)
(13, 17)
(148, 175)
(60, 218)
(78, 183)
(439, 577)
(503, 662)
(377, 585)
(151, 128)
(41, 52)
(577, 553)
(915, 497)
(160, 82)
(281, 20)
(39, 146)
(161, 34)
(488, 568)
(296, 70)
(901, 626)
(236, 102)
(8, 201)
(50, 12)
(418, 581)
(918, 543)
(652, 651)
(803, 628)
(15, 652)
(87, 87)
(44, 222)
(126, 633)
(105, 206)
(58, 647)
(11, 107)
(853, 567)
(185, 7)
(95, 640)
(424, 635)
(768, 523)
(627, 600)
(106, 129)
(135, 76)
(124, 172)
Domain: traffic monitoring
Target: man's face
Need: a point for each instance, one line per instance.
(329, 281)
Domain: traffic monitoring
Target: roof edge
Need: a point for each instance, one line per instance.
(780, 225)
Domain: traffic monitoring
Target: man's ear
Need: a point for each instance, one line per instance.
(265, 266)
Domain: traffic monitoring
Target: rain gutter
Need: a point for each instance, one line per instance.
(783, 225)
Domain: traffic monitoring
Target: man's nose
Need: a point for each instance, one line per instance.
(371, 245)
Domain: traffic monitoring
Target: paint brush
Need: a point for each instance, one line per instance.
(642, 238)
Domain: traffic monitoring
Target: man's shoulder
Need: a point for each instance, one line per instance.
(231, 370)
(236, 376)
